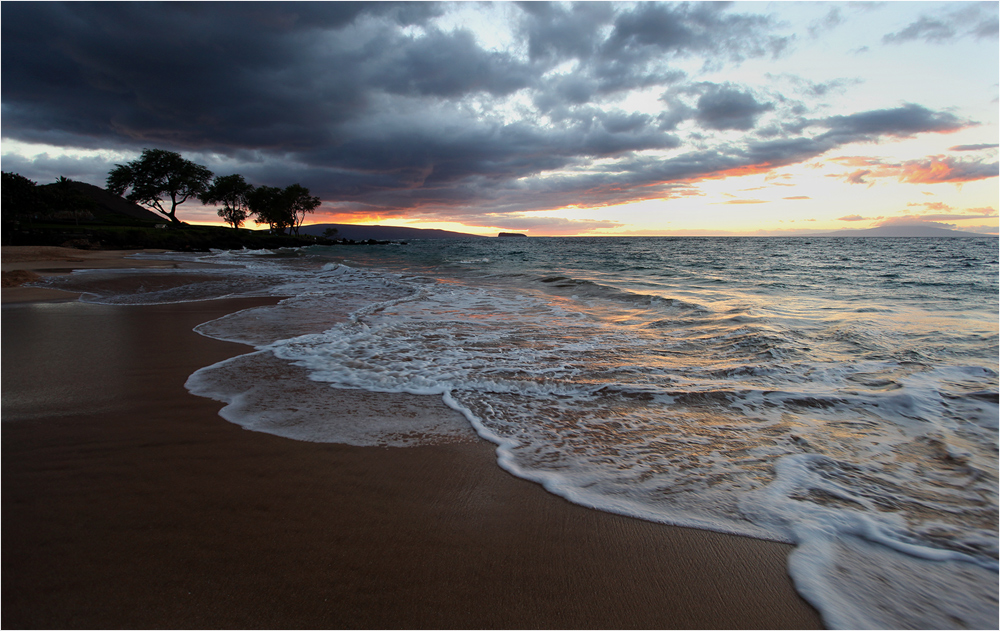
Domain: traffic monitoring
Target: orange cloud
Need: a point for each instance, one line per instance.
(931, 205)
(947, 169)
(749, 169)
(932, 170)
(858, 177)
(856, 161)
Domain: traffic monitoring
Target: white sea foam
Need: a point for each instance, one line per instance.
(264, 394)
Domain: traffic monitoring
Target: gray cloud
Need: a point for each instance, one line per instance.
(977, 20)
(640, 46)
(374, 107)
(45, 169)
(556, 32)
(927, 29)
(830, 21)
(701, 27)
(727, 107)
(443, 65)
(902, 121)
(972, 147)
(717, 107)
(807, 87)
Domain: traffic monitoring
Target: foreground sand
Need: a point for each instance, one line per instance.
(127, 502)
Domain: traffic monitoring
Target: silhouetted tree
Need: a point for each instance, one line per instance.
(233, 192)
(21, 198)
(282, 208)
(268, 205)
(158, 174)
(300, 203)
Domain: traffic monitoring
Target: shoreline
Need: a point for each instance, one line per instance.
(27, 263)
(129, 502)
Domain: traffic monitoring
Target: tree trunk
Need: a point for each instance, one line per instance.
(173, 211)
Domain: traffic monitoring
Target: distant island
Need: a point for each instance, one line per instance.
(913, 230)
(512, 234)
(360, 232)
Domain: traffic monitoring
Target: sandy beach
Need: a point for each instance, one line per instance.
(24, 264)
(129, 503)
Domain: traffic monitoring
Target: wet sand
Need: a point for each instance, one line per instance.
(128, 502)
(25, 264)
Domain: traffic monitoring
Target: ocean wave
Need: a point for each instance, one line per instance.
(840, 410)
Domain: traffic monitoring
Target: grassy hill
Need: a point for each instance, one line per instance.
(80, 215)
(112, 206)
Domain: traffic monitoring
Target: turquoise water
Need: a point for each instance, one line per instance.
(838, 394)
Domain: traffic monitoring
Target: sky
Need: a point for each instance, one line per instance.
(592, 118)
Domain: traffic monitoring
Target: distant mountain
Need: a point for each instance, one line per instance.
(357, 232)
(914, 230)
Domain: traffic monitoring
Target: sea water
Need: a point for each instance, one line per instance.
(838, 394)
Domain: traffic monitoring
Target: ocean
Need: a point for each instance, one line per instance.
(839, 394)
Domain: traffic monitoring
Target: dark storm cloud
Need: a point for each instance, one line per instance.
(190, 76)
(444, 65)
(373, 106)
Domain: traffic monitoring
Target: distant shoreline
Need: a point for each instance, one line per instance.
(362, 232)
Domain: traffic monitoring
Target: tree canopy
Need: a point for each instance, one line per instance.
(282, 208)
(23, 199)
(20, 197)
(233, 192)
(156, 175)
(267, 207)
(300, 202)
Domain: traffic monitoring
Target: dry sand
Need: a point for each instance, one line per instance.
(128, 502)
